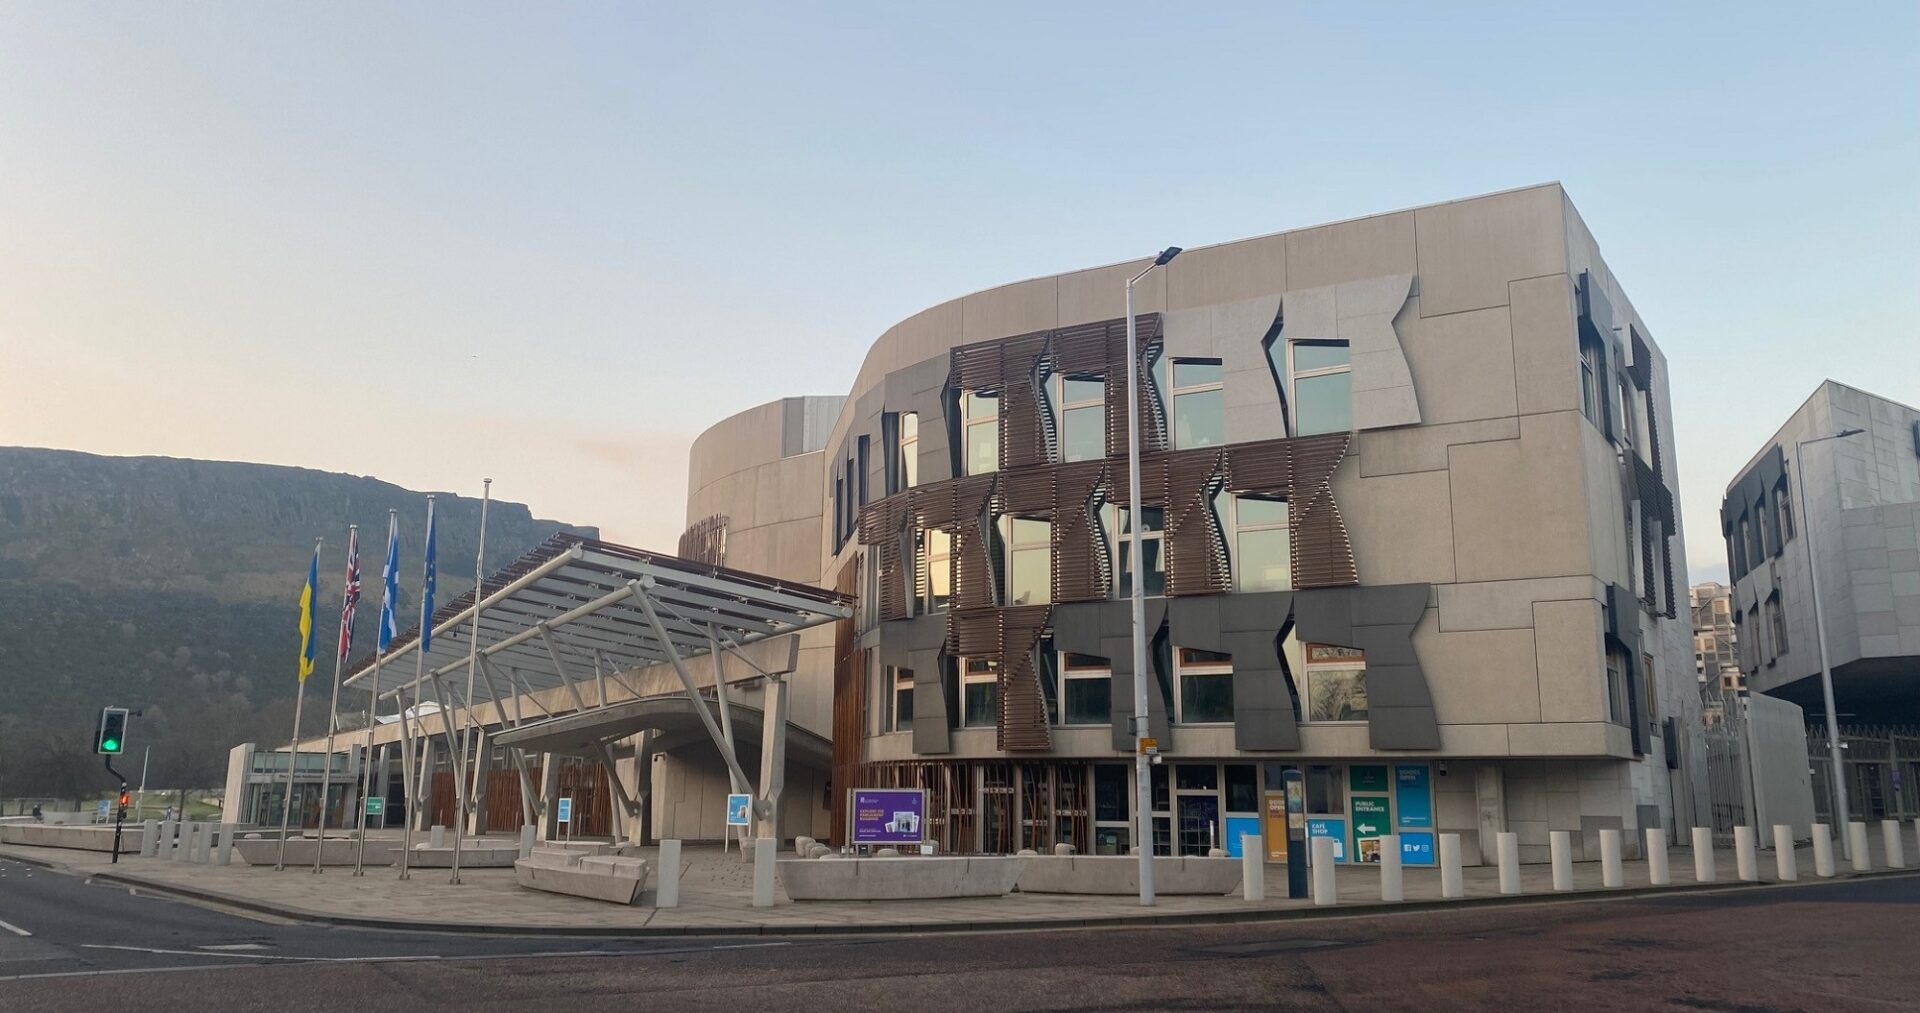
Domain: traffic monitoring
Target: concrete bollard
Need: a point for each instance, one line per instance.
(527, 833)
(163, 849)
(1560, 844)
(1703, 862)
(1890, 836)
(1746, 862)
(763, 872)
(1612, 876)
(223, 855)
(1393, 887)
(197, 845)
(1658, 872)
(1786, 864)
(1857, 838)
(1453, 884)
(1823, 851)
(437, 837)
(149, 838)
(667, 894)
(1253, 868)
(183, 846)
(1321, 862)
(1507, 845)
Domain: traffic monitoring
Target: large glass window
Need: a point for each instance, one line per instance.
(1616, 689)
(1784, 505)
(897, 712)
(1086, 690)
(1262, 544)
(1777, 617)
(936, 554)
(1336, 683)
(1206, 686)
(1322, 386)
(1083, 418)
(1120, 536)
(980, 692)
(980, 420)
(1199, 404)
(1590, 381)
(1029, 560)
(908, 464)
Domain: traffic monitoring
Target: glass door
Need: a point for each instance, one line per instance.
(1199, 823)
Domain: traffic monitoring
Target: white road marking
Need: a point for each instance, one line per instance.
(234, 946)
(15, 929)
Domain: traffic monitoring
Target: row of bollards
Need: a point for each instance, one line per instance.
(197, 843)
(1322, 862)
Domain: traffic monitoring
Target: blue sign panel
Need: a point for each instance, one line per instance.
(1238, 826)
(565, 815)
(1416, 848)
(738, 806)
(1336, 829)
(1415, 796)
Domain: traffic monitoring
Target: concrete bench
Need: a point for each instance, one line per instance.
(264, 849)
(484, 853)
(1120, 875)
(900, 878)
(615, 879)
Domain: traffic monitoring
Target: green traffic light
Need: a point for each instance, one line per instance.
(110, 745)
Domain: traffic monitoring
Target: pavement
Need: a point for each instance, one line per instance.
(1825, 945)
(716, 897)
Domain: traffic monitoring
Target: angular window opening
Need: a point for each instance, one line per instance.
(980, 692)
(1029, 547)
(899, 709)
(1336, 683)
(1321, 373)
(1082, 400)
(1590, 382)
(1199, 404)
(1086, 690)
(1616, 689)
(1783, 504)
(906, 460)
(1262, 555)
(980, 421)
(936, 555)
(1206, 687)
(1120, 537)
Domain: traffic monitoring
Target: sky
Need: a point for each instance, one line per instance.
(549, 244)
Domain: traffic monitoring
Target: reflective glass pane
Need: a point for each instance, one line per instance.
(1206, 698)
(1261, 560)
(1076, 390)
(903, 708)
(1336, 695)
(1323, 404)
(983, 406)
(1027, 531)
(1110, 801)
(1086, 435)
(1195, 372)
(1089, 702)
(1156, 582)
(1200, 419)
(1196, 777)
(1255, 512)
(1031, 579)
(1310, 355)
(1243, 788)
(983, 701)
(983, 448)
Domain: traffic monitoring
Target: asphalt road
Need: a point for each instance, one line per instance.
(1839, 946)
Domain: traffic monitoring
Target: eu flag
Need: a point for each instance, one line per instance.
(426, 596)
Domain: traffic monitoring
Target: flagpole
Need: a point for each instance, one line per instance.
(420, 645)
(408, 762)
(293, 761)
(333, 709)
(472, 772)
(373, 694)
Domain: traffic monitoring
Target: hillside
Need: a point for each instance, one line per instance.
(171, 586)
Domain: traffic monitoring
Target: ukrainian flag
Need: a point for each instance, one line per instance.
(309, 602)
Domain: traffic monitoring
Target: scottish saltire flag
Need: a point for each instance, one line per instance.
(309, 602)
(350, 599)
(426, 596)
(390, 578)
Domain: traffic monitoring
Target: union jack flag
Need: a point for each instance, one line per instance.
(350, 600)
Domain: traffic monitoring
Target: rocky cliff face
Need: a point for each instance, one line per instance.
(172, 585)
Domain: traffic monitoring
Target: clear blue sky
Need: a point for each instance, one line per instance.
(435, 242)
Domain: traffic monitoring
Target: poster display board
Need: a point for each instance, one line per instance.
(1372, 817)
(1368, 777)
(886, 815)
(1336, 829)
(1414, 793)
(1416, 848)
(738, 809)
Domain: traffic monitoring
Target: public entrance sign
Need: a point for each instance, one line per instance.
(565, 813)
(376, 806)
(1371, 819)
(887, 815)
(739, 810)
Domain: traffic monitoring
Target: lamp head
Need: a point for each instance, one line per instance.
(1166, 255)
(1848, 432)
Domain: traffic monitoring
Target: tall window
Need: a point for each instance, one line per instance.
(1199, 404)
(936, 554)
(1590, 381)
(980, 421)
(1120, 536)
(900, 709)
(1777, 618)
(1086, 690)
(1322, 375)
(979, 692)
(903, 466)
(1336, 683)
(1262, 544)
(1784, 506)
(1029, 560)
(1616, 689)
(1083, 418)
(1206, 686)
(861, 451)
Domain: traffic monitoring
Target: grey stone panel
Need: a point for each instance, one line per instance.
(915, 644)
(1195, 622)
(1379, 621)
(1074, 629)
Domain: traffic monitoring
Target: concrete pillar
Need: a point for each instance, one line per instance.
(1507, 849)
(549, 791)
(1822, 851)
(1560, 846)
(1490, 801)
(1253, 868)
(197, 845)
(1744, 858)
(1658, 874)
(773, 757)
(163, 849)
(1785, 863)
(526, 839)
(1612, 876)
(224, 854)
(183, 845)
(1452, 882)
(667, 893)
(763, 854)
(1392, 887)
(1321, 860)
(149, 838)
(437, 837)
(1704, 870)
(1857, 837)
(1890, 836)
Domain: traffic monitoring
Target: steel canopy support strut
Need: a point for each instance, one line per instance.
(740, 785)
(641, 596)
(546, 637)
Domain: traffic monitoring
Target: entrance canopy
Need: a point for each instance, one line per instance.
(578, 608)
(583, 734)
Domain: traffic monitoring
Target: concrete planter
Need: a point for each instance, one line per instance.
(900, 878)
(484, 854)
(79, 838)
(611, 878)
(1120, 874)
(265, 850)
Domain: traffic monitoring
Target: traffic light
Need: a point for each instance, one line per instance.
(112, 737)
(126, 798)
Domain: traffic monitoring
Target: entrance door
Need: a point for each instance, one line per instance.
(1199, 822)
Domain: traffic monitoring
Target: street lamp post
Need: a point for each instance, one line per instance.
(1840, 814)
(1143, 774)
